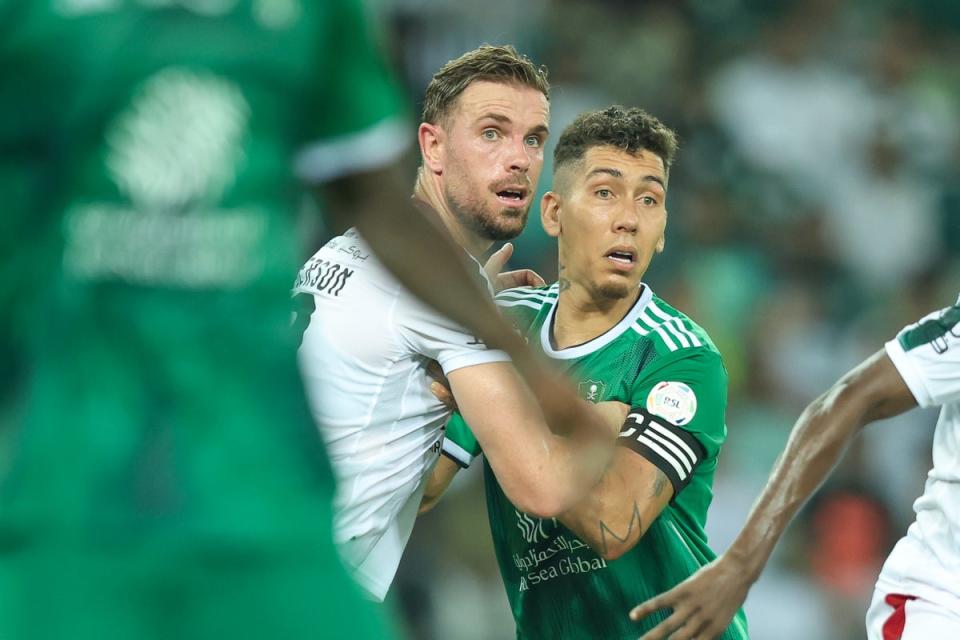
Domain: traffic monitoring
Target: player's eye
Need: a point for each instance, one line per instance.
(604, 194)
(490, 134)
(648, 201)
(533, 141)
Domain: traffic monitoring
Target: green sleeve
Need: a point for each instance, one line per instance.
(459, 443)
(687, 389)
(355, 88)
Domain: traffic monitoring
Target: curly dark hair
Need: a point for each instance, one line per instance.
(632, 130)
(487, 62)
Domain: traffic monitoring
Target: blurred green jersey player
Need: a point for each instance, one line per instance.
(166, 480)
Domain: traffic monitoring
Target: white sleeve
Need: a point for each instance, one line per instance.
(927, 355)
(429, 333)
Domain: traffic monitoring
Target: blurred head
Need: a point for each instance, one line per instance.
(485, 119)
(608, 204)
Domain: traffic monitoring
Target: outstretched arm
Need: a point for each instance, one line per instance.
(704, 604)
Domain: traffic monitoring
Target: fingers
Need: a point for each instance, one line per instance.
(641, 611)
(443, 394)
(530, 278)
(672, 628)
(497, 261)
(435, 371)
(519, 278)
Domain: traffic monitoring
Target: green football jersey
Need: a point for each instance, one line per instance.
(148, 152)
(670, 373)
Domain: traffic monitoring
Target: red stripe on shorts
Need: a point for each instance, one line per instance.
(893, 627)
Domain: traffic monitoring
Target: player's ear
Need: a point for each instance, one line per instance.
(432, 138)
(550, 213)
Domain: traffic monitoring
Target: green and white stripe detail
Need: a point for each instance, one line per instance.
(931, 329)
(646, 297)
(528, 297)
(673, 330)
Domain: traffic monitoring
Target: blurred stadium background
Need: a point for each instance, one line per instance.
(814, 210)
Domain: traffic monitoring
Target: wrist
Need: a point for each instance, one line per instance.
(748, 560)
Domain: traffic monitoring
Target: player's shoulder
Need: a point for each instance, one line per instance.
(344, 258)
(673, 333)
(524, 305)
(527, 300)
(530, 297)
(936, 330)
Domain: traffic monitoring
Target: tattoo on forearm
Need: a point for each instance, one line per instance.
(658, 484)
(633, 524)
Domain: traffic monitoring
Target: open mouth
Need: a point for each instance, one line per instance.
(513, 195)
(624, 258)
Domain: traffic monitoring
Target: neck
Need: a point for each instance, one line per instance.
(429, 191)
(582, 315)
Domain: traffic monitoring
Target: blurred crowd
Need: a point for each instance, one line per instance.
(814, 211)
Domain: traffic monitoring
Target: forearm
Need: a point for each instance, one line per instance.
(437, 483)
(541, 472)
(545, 474)
(621, 507)
(584, 457)
(870, 392)
(816, 443)
(609, 523)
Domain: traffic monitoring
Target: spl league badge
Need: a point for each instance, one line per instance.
(591, 390)
(675, 402)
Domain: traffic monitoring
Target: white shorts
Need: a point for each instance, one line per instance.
(894, 616)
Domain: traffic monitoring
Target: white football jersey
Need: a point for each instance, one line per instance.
(364, 360)
(926, 561)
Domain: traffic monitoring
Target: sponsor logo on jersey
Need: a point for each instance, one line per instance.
(591, 390)
(531, 528)
(179, 143)
(172, 153)
(675, 402)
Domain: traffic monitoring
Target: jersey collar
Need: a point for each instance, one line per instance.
(600, 341)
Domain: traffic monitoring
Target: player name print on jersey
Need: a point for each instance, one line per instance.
(322, 277)
(171, 155)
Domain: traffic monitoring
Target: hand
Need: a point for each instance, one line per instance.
(440, 387)
(703, 604)
(509, 279)
(614, 413)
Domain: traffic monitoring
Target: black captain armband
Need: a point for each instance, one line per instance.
(671, 449)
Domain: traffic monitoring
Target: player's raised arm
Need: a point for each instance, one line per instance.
(704, 604)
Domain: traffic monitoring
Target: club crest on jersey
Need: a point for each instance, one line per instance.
(591, 390)
(675, 402)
